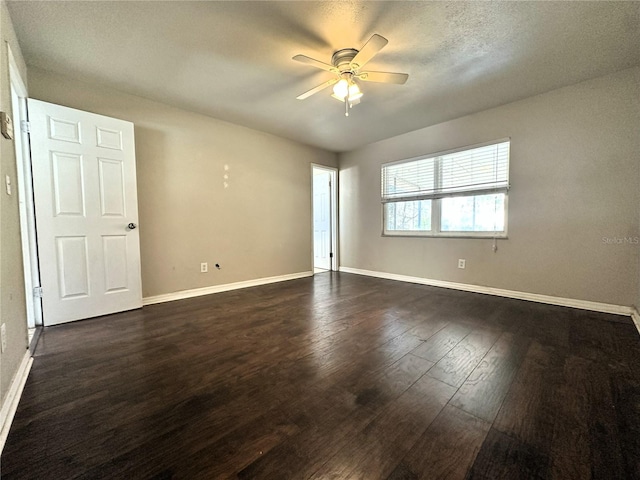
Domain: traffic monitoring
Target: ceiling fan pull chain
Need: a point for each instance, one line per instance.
(346, 106)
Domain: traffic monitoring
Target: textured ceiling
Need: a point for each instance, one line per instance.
(232, 60)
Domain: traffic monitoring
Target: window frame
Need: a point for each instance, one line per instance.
(436, 200)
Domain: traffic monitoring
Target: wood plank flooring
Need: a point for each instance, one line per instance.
(336, 376)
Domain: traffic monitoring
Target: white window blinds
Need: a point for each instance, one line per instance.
(467, 171)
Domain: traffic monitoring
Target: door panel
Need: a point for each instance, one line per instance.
(85, 196)
(109, 138)
(68, 184)
(112, 201)
(72, 263)
(114, 248)
(63, 130)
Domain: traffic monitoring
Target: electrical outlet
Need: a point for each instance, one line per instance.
(462, 263)
(3, 335)
(204, 267)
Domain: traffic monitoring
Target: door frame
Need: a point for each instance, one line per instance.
(25, 195)
(333, 212)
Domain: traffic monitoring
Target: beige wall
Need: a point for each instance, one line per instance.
(258, 226)
(575, 160)
(12, 298)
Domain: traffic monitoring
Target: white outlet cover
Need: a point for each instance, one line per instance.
(3, 335)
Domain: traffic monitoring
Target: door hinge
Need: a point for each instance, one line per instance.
(37, 292)
(331, 255)
(25, 126)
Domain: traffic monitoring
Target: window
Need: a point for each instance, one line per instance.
(457, 193)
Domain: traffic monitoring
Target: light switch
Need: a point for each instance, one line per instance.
(7, 181)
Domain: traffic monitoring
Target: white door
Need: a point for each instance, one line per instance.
(86, 204)
(321, 219)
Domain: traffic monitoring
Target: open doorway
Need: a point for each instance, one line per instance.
(325, 209)
(25, 198)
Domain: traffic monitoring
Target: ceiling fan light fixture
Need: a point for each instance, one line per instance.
(346, 90)
(354, 92)
(341, 89)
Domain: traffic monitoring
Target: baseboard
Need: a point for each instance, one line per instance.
(635, 316)
(532, 297)
(10, 403)
(196, 292)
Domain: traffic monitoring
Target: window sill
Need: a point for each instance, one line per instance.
(501, 236)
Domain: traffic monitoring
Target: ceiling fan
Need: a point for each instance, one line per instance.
(346, 64)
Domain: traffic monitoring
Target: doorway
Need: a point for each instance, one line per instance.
(325, 207)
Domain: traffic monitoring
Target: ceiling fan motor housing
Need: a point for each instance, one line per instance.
(342, 60)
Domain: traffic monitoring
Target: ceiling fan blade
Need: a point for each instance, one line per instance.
(383, 77)
(373, 46)
(315, 63)
(317, 89)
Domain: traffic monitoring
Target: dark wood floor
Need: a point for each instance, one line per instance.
(333, 377)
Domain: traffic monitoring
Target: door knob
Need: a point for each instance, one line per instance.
(131, 226)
